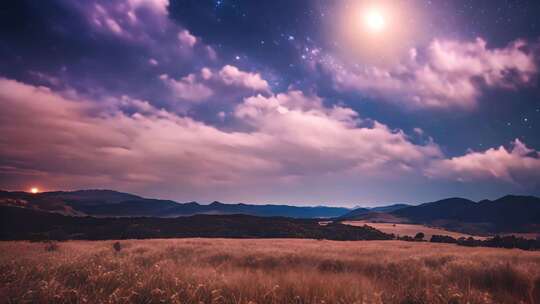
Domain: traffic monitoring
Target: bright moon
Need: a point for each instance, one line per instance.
(374, 20)
(34, 190)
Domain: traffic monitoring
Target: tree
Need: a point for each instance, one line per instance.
(419, 236)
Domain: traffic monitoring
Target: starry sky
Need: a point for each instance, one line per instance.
(298, 102)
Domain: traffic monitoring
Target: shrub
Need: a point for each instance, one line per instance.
(442, 239)
(117, 246)
(419, 236)
(51, 246)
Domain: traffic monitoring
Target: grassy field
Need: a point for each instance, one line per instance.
(265, 271)
(410, 229)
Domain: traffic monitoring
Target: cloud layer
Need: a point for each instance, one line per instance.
(451, 74)
(67, 141)
(519, 165)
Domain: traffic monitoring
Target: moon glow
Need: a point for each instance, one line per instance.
(374, 20)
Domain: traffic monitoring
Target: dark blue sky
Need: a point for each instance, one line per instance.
(272, 101)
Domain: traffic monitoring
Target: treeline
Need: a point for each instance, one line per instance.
(24, 224)
(509, 241)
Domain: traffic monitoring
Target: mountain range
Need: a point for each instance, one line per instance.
(108, 203)
(510, 213)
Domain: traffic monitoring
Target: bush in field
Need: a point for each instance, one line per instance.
(117, 246)
(51, 246)
(406, 238)
(442, 239)
(419, 236)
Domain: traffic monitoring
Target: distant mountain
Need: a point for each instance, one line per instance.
(355, 214)
(389, 208)
(25, 224)
(507, 214)
(108, 203)
(375, 217)
(510, 213)
(361, 213)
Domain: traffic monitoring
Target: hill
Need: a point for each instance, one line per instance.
(510, 213)
(108, 203)
(379, 213)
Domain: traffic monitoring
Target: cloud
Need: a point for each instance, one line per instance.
(318, 139)
(65, 141)
(142, 22)
(187, 88)
(126, 18)
(451, 74)
(231, 75)
(520, 165)
(186, 38)
(227, 84)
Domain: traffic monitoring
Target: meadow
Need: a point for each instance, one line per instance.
(265, 271)
(411, 230)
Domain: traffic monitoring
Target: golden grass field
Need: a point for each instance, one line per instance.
(411, 229)
(265, 271)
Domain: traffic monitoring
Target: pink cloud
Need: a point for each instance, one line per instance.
(231, 75)
(125, 18)
(157, 6)
(520, 165)
(186, 38)
(65, 141)
(143, 22)
(315, 138)
(452, 74)
(187, 88)
(227, 83)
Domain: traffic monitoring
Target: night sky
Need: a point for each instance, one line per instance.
(299, 102)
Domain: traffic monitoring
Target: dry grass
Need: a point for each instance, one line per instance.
(411, 229)
(265, 271)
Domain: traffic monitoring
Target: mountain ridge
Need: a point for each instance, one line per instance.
(110, 203)
(509, 213)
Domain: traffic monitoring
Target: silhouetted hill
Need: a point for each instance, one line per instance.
(389, 208)
(510, 213)
(24, 224)
(354, 214)
(443, 209)
(361, 213)
(376, 217)
(104, 203)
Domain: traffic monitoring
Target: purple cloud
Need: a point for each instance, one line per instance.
(66, 141)
(519, 165)
(452, 74)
